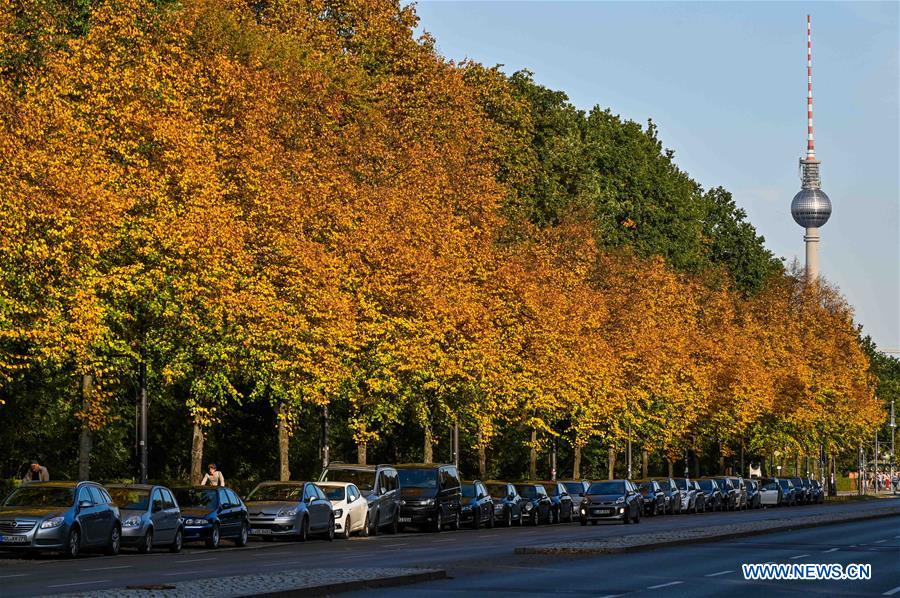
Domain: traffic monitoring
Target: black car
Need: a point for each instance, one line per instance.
(611, 500)
(562, 507)
(710, 489)
(476, 505)
(818, 492)
(804, 490)
(754, 498)
(212, 513)
(507, 503)
(731, 496)
(789, 493)
(429, 495)
(654, 497)
(673, 495)
(60, 516)
(536, 505)
(379, 485)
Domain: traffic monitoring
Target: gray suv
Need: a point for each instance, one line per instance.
(60, 516)
(380, 487)
(150, 516)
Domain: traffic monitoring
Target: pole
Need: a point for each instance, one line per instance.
(325, 448)
(142, 442)
(553, 458)
(456, 443)
(686, 471)
(629, 452)
(893, 426)
(876, 462)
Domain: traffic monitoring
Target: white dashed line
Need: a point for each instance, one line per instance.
(78, 583)
(179, 573)
(892, 592)
(665, 585)
(718, 574)
(831, 550)
(196, 560)
(398, 544)
(799, 556)
(879, 541)
(109, 568)
(16, 575)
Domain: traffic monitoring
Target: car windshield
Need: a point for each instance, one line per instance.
(282, 492)
(130, 498)
(552, 489)
(646, 487)
(527, 491)
(364, 479)
(722, 484)
(417, 478)
(497, 490)
(665, 485)
(785, 483)
(607, 488)
(681, 483)
(707, 485)
(574, 488)
(770, 486)
(30, 496)
(333, 492)
(468, 491)
(197, 498)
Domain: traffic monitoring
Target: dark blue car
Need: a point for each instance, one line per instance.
(212, 514)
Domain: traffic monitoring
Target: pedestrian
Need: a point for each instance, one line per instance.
(36, 473)
(214, 477)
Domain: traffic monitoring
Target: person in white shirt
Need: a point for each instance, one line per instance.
(214, 477)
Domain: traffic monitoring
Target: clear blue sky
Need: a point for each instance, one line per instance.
(726, 83)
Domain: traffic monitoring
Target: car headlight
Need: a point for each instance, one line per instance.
(429, 502)
(132, 521)
(498, 507)
(196, 522)
(53, 522)
(288, 512)
(402, 503)
(529, 506)
(338, 513)
(620, 500)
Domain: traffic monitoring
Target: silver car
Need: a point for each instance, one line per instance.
(289, 509)
(150, 516)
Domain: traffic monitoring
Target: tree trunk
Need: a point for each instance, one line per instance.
(284, 442)
(671, 468)
(576, 466)
(721, 464)
(361, 453)
(197, 454)
(85, 440)
(611, 454)
(482, 460)
(532, 459)
(428, 449)
(645, 464)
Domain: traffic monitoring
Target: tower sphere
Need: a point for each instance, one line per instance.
(811, 208)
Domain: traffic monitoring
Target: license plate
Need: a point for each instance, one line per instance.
(261, 532)
(602, 511)
(406, 520)
(13, 539)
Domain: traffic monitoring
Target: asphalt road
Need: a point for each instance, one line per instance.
(484, 558)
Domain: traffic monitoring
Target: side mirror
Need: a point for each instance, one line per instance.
(310, 500)
(85, 504)
(382, 490)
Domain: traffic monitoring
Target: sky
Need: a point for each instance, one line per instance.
(726, 84)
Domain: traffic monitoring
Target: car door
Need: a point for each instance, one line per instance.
(88, 515)
(317, 521)
(392, 495)
(357, 506)
(229, 515)
(173, 514)
(158, 516)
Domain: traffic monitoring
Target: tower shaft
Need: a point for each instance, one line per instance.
(811, 238)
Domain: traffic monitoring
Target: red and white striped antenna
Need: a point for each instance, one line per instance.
(810, 144)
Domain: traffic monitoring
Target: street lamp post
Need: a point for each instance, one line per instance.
(893, 426)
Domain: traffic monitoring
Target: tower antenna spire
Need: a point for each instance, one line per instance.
(810, 142)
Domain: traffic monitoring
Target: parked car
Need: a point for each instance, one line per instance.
(507, 503)
(380, 487)
(803, 489)
(654, 497)
(770, 493)
(753, 497)
(476, 505)
(741, 488)
(212, 513)
(731, 496)
(150, 516)
(576, 490)
(611, 500)
(562, 506)
(788, 492)
(688, 495)
(712, 494)
(290, 509)
(673, 495)
(350, 509)
(699, 498)
(536, 505)
(429, 495)
(67, 517)
(818, 491)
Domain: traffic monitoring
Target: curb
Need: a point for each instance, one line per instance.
(361, 584)
(550, 549)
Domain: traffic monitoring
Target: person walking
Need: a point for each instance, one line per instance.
(36, 473)
(214, 477)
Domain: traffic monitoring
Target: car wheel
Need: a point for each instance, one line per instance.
(570, 517)
(508, 517)
(490, 522)
(304, 530)
(394, 527)
(374, 530)
(364, 532)
(244, 536)
(476, 520)
(115, 541)
(455, 525)
(213, 540)
(73, 543)
(330, 534)
(438, 522)
(147, 543)
(177, 542)
(346, 534)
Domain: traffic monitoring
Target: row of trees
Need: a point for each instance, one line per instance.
(256, 209)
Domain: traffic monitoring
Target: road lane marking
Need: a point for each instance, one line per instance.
(109, 568)
(16, 575)
(879, 541)
(398, 544)
(832, 550)
(178, 573)
(892, 592)
(665, 585)
(262, 554)
(799, 556)
(78, 583)
(196, 560)
(718, 574)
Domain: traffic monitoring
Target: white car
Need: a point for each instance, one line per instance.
(769, 492)
(350, 508)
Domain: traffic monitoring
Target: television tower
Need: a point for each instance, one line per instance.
(810, 208)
